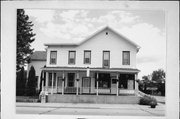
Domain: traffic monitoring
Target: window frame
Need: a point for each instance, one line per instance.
(123, 60)
(74, 58)
(50, 79)
(71, 81)
(103, 59)
(85, 58)
(51, 57)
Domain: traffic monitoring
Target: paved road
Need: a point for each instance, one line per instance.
(90, 109)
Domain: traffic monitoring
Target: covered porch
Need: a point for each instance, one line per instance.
(89, 81)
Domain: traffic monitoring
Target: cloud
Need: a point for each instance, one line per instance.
(73, 15)
(69, 15)
(40, 15)
(151, 39)
(62, 31)
(149, 59)
(115, 18)
(81, 25)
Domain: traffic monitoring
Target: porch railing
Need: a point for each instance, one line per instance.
(90, 90)
(71, 89)
(85, 90)
(104, 90)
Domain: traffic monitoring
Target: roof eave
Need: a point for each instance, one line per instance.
(56, 44)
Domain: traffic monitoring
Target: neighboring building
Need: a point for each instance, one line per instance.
(38, 60)
(103, 63)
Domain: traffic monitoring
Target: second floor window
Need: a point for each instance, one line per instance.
(72, 55)
(126, 57)
(87, 57)
(53, 57)
(106, 59)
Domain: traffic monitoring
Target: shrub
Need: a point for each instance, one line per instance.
(20, 82)
(31, 84)
(147, 100)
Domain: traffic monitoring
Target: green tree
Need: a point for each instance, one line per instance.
(25, 37)
(21, 82)
(31, 84)
(145, 78)
(158, 75)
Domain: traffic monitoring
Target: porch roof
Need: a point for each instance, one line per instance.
(95, 69)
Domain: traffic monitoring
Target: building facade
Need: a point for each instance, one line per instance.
(103, 63)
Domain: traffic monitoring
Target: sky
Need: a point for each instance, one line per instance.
(144, 27)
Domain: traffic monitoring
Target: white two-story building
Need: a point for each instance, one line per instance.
(103, 63)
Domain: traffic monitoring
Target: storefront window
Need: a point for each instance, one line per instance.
(104, 80)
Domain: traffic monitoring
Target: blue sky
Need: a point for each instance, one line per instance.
(144, 27)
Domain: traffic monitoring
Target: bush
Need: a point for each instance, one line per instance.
(147, 100)
(20, 82)
(31, 84)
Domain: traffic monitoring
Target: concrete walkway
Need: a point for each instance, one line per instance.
(160, 99)
(90, 109)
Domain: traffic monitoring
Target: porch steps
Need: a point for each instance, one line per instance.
(101, 99)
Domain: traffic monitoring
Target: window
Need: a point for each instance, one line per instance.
(126, 57)
(54, 81)
(123, 81)
(72, 55)
(71, 77)
(53, 57)
(104, 80)
(87, 57)
(50, 79)
(106, 59)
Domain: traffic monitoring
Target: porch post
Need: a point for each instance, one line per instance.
(42, 86)
(97, 84)
(136, 84)
(63, 84)
(77, 81)
(52, 83)
(56, 83)
(47, 80)
(117, 84)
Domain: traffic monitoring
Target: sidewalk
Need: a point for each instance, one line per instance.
(91, 109)
(160, 99)
(76, 105)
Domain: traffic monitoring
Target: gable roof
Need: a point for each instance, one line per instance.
(38, 56)
(92, 35)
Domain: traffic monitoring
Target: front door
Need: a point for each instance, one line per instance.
(60, 84)
(86, 84)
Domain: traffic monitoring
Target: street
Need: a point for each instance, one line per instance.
(90, 109)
